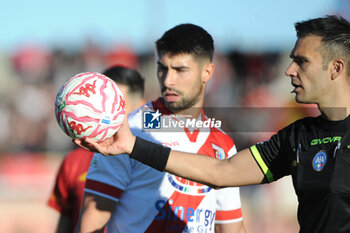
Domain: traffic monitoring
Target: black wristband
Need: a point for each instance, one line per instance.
(151, 154)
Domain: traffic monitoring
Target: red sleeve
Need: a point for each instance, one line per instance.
(59, 198)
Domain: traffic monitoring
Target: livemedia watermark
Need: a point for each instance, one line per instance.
(231, 120)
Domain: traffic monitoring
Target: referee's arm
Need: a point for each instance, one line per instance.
(239, 170)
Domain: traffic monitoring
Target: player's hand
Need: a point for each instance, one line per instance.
(122, 142)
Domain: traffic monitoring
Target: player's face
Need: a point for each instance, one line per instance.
(182, 80)
(308, 77)
(131, 102)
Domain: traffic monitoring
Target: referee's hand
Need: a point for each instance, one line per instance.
(122, 142)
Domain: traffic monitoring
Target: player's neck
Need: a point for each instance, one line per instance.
(190, 113)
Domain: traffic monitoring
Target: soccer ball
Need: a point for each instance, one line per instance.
(90, 105)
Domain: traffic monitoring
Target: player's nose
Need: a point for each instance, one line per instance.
(169, 79)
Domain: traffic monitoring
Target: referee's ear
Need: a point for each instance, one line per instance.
(337, 68)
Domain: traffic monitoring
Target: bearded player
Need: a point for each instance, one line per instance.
(131, 197)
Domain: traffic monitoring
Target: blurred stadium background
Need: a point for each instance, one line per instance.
(42, 44)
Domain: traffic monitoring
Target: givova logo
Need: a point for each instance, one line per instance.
(152, 119)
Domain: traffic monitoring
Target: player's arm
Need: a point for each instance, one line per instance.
(239, 170)
(236, 227)
(95, 213)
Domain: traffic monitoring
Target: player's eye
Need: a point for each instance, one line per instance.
(161, 70)
(181, 69)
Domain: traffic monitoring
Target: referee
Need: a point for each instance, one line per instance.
(315, 151)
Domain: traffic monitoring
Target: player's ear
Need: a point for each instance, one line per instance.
(207, 71)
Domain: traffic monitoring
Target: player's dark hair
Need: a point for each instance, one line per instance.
(188, 39)
(335, 33)
(126, 76)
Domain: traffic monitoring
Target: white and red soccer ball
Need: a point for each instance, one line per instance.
(90, 105)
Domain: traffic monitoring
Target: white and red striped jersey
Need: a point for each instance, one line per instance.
(152, 201)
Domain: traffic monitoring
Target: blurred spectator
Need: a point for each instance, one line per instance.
(32, 61)
(92, 56)
(224, 90)
(122, 55)
(32, 107)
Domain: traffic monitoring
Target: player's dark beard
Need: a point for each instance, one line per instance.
(185, 102)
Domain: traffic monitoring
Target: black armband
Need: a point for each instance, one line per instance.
(151, 154)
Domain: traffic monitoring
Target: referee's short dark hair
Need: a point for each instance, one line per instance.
(334, 31)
